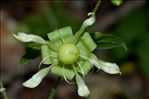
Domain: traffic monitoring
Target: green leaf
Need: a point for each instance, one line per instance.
(107, 41)
(28, 56)
(62, 35)
(35, 80)
(117, 2)
(83, 90)
(107, 67)
(23, 37)
(23, 61)
(34, 46)
(58, 70)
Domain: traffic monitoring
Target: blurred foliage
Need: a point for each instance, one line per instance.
(49, 19)
(134, 30)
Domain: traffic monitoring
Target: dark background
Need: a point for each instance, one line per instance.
(130, 21)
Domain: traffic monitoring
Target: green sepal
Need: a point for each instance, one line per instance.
(48, 55)
(86, 44)
(86, 67)
(59, 71)
(62, 35)
(88, 41)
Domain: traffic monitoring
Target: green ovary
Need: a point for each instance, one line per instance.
(68, 53)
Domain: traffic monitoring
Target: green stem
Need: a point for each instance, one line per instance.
(96, 7)
(4, 91)
(81, 31)
(53, 91)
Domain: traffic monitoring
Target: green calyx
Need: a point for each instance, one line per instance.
(68, 53)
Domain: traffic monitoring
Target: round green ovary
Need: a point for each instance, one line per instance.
(68, 53)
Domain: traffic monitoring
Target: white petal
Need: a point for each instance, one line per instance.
(29, 38)
(90, 21)
(36, 78)
(107, 67)
(110, 68)
(83, 90)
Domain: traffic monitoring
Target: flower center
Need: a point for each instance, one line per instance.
(68, 53)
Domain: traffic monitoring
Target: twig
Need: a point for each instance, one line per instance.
(96, 7)
(3, 91)
(53, 91)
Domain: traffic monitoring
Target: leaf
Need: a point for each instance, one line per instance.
(28, 56)
(117, 2)
(23, 37)
(107, 41)
(35, 80)
(23, 61)
(34, 46)
(107, 67)
(83, 90)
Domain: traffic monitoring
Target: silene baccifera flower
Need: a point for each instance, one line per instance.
(68, 56)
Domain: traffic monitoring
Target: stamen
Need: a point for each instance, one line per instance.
(74, 68)
(43, 61)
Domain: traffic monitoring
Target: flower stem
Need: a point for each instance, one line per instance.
(81, 31)
(96, 6)
(53, 91)
(4, 91)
